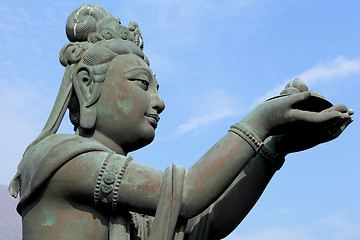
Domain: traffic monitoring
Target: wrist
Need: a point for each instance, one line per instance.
(254, 126)
(249, 136)
(274, 159)
(276, 143)
(260, 120)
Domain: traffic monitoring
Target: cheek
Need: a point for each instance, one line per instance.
(132, 103)
(125, 107)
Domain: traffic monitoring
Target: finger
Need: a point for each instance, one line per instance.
(340, 108)
(314, 117)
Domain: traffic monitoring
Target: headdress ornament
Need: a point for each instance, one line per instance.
(93, 23)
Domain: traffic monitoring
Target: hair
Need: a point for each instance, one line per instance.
(96, 37)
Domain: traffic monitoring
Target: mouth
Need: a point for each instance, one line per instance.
(153, 119)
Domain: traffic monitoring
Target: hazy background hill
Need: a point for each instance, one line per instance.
(10, 220)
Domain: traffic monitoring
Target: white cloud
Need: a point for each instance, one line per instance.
(196, 122)
(276, 234)
(340, 67)
(335, 69)
(214, 107)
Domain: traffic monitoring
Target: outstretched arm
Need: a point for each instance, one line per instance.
(224, 215)
(205, 181)
(218, 168)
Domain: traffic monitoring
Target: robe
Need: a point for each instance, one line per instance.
(53, 152)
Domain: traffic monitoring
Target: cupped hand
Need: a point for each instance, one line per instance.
(277, 116)
(316, 128)
(337, 118)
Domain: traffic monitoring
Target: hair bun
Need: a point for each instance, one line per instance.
(71, 53)
(83, 21)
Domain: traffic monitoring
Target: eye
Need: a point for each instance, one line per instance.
(143, 83)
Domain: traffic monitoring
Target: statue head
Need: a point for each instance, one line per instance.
(108, 86)
(104, 61)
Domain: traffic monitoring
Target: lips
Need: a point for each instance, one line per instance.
(153, 119)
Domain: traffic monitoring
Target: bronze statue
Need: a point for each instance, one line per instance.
(85, 186)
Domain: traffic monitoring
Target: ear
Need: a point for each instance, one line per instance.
(83, 82)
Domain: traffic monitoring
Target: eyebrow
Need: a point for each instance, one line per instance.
(149, 73)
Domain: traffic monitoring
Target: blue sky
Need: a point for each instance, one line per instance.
(214, 61)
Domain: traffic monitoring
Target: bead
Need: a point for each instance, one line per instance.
(99, 179)
(249, 137)
(118, 182)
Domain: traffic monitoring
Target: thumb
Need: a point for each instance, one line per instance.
(298, 97)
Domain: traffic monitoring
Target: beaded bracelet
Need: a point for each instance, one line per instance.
(109, 179)
(275, 159)
(118, 182)
(100, 178)
(251, 138)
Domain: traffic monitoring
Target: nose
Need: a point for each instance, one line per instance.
(157, 103)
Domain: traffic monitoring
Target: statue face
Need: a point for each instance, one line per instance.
(129, 106)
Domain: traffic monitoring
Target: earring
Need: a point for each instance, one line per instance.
(87, 117)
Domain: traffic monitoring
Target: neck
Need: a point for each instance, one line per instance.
(98, 136)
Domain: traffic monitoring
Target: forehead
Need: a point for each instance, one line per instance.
(128, 62)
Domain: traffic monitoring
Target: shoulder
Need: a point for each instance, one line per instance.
(63, 147)
(69, 141)
(50, 155)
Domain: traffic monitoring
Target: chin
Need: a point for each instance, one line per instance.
(140, 142)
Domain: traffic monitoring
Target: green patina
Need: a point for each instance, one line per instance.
(106, 111)
(133, 180)
(127, 106)
(76, 229)
(48, 216)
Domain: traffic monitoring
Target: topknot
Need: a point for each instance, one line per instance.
(83, 21)
(93, 23)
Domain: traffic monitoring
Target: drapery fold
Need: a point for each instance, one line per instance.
(50, 154)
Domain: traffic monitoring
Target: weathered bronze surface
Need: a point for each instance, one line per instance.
(85, 186)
